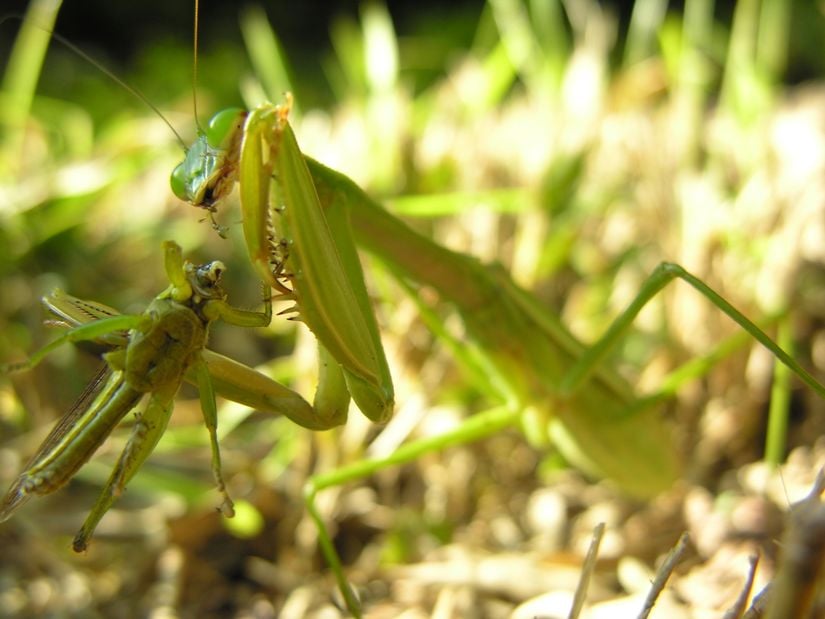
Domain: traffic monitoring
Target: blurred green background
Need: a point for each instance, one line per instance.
(577, 143)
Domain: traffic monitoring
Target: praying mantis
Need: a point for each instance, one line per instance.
(549, 379)
(544, 377)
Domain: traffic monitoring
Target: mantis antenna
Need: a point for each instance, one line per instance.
(195, 69)
(130, 89)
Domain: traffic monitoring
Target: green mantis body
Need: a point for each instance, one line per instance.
(547, 381)
(585, 409)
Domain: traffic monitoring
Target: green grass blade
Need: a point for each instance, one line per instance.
(22, 73)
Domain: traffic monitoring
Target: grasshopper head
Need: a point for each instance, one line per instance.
(205, 279)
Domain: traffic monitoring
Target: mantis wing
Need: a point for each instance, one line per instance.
(328, 283)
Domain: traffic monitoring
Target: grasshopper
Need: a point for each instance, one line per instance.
(151, 353)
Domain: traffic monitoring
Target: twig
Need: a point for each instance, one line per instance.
(663, 573)
(759, 604)
(587, 571)
(793, 589)
(794, 584)
(735, 611)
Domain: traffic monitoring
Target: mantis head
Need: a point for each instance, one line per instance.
(210, 167)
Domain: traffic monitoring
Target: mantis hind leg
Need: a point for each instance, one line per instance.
(479, 426)
(665, 273)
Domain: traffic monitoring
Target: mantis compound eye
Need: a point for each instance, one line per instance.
(223, 125)
(178, 181)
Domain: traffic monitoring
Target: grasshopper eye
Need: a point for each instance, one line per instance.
(215, 271)
(223, 125)
(210, 274)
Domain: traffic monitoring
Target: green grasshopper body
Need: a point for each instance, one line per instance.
(152, 353)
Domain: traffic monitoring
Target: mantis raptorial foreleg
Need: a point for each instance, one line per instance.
(150, 353)
(294, 249)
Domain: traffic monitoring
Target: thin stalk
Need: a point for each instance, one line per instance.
(780, 400)
(22, 73)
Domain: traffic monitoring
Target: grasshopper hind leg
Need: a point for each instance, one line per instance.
(146, 433)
